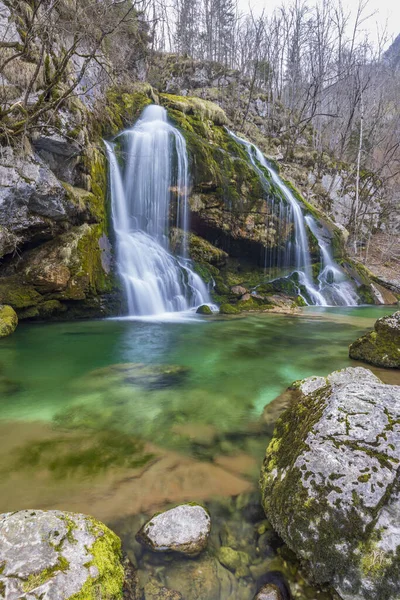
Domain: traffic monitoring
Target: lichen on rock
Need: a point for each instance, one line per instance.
(54, 554)
(330, 481)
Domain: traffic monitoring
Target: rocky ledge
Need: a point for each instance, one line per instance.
(60, 555)
(330, 482)
(380, 347)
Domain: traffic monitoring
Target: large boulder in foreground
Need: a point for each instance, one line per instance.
(184, 529)
(380, 347)
(330, 482)
(8, 320)
(58, 555)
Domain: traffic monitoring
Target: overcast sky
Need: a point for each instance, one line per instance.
(387, 13)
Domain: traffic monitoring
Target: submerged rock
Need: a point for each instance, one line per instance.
(8, 320)
(184, 529)
(330, 483)
(234, 560)
(380, 347)
(54, 554)
(152, 591)
(268, 592)
(138, 374)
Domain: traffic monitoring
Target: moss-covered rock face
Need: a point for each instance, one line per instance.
(380, 347)
(8, 320)
(54, 554)
(330, 483)
(228, 202)
(63, 277)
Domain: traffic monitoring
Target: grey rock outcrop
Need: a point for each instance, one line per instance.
(56, 555)
(184, 529)
(33, 203)
(330, 482)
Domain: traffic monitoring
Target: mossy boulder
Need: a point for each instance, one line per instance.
(54, 554)
(228, 309)
(330, 484)
(8, 320)
(380, 347)
(204, 309)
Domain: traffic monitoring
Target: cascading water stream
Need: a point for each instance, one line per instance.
(333, 287)
(333, 282)
(155, 166)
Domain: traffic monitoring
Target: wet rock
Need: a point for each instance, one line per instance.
(234, 560)
(153, 591)
(204, 309)
(54, 554)
(380, 347)
(184, 529)
(8, 320)
(330, 482)
(206, 579)
(269, 592)
(138, 374)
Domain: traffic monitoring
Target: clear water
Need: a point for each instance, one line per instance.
(74, 429)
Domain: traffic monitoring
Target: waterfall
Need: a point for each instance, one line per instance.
(333, 287)
(155, 166)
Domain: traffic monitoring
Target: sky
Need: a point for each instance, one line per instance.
(386, 14)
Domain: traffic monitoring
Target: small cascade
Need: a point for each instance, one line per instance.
(333, 287)
(334, 284)
(155, 165)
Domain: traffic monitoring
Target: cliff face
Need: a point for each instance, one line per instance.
(56, 258)
(56, 236)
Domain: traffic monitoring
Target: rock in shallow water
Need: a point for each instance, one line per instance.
(380, 347)
(330, 483)
(268, 592)
(184, 529)
(58, 555)
(8, 320)
(204, 309)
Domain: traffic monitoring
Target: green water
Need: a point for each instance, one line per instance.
(57, 378)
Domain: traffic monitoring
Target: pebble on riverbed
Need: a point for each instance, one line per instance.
(184, 529)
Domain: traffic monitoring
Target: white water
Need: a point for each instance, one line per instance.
(155, 166)
(334, 285)
(333, 288)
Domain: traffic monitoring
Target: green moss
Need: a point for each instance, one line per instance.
(8, 320)
(37, 579)
(125, 106)
(106, 553)
(88, 201)
(204, 310)
(16, 294)
(91, 270)
(228, 309)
